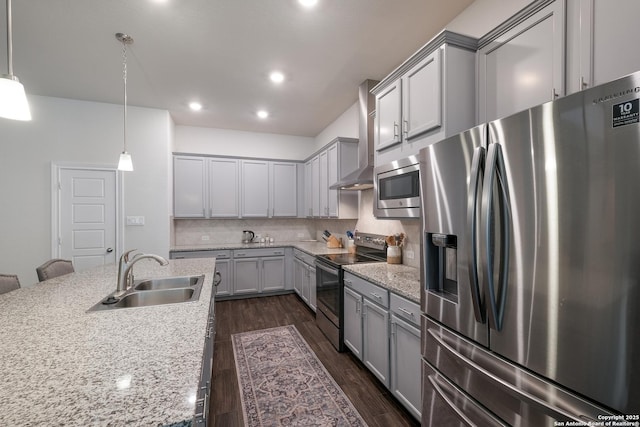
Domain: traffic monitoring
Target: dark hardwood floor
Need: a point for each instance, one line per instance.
(372, 400)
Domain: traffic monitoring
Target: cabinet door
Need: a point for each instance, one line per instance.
(388, 116)
(422, 97)
(255, 188)
(375, 342)
(273, 274)
(309, 190)
(226, 279)
(615, 50)
(405, 362)
(189, 184)
(284, 189)
(312, 288)
(323, 183)
(332, 178)
(315, 186)
(247, 276)
(524, 66)
(353, 321)
(299, 277)
(223, 188)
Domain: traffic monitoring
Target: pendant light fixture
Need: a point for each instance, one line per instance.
(13, 100)
(125, 163)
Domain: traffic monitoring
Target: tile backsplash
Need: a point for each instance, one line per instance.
(410, 227)
(203, 232)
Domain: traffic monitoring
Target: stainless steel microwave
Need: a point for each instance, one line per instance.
(397, 189)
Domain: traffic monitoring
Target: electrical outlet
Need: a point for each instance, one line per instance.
(204, 238)
(409, 254)
(135, 220)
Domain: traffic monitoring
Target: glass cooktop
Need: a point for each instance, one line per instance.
(347, 259)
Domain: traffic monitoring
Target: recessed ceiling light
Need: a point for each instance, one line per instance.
(195, 106)
(308, 3)
(276, 77)
(262, 114)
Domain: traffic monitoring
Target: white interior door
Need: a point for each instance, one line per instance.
(87, 217)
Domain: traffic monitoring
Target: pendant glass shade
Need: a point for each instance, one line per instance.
(125, 163)
(13, 100)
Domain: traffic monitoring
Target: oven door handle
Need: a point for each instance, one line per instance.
(330, 270)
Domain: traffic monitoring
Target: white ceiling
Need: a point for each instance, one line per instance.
(220, 53)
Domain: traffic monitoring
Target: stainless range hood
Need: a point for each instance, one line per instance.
(362, 178)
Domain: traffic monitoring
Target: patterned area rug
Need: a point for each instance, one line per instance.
(282, 382)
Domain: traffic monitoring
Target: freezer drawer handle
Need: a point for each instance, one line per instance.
(554, 412)
(477, 173)
(496, 168)
(437, 386)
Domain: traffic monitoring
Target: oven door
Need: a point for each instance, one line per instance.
(328, 291)
(397, 189)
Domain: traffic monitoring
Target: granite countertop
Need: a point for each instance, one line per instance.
(62, 365)
(314, 247)
(400, 279)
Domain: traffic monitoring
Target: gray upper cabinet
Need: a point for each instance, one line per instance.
(254, 178)
(284, 189)
(521, 63)
(224, 188)
(417, 106)
(601, 41)
(322, 170)
(189, 187)
(388, 116)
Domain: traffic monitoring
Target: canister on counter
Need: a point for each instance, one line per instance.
(394, 255)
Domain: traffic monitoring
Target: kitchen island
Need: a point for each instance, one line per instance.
(62, 365)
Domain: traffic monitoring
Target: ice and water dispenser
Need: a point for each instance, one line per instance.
(441, 264)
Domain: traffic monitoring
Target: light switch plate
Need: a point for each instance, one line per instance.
(135, 220)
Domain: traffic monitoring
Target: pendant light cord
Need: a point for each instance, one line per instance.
(124, 78)
(9, 40)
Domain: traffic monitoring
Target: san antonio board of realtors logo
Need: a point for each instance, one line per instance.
(626, 113)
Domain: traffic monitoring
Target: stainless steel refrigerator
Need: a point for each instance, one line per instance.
(531, 272)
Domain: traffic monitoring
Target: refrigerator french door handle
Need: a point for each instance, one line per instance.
(514, 390)
(495, 168)
(438, 387)
(477, 172)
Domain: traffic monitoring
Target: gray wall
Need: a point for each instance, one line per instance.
(64, 130)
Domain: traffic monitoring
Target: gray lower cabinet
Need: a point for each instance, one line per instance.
(304, 277)
(405, 363)
(259, 270)
(223, 279)
(353, 321)
(382, 330)
(366, 312)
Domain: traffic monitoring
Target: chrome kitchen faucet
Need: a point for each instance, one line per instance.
(125, 269)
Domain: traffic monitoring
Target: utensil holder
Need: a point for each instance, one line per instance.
(394, 255)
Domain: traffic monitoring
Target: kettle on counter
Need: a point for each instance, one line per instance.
(247, 236)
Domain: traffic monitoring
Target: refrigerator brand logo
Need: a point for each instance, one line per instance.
(616, 95)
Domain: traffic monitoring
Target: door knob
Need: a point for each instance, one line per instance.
(109, 250)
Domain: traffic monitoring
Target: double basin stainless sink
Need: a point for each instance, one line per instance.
(158, 291)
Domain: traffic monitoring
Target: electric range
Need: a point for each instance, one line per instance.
(330, 283)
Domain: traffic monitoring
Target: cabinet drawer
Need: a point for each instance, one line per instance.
(367, 289)
(255, 253)
(405, 309)
(201, 254)
(304, 257)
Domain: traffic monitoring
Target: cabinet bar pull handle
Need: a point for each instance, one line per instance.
(583, 83)
(376, 295)
(554, 94)
(395, 130)
(405, 128)
(405, 311)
